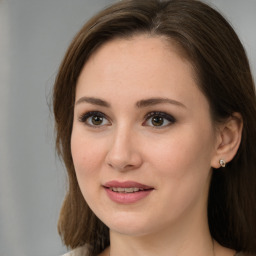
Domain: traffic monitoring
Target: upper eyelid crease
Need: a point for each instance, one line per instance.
(90, 114)
(84, 118)
(139, 104)
(159, 113)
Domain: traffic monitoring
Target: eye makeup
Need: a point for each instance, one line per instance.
(94, 119)
(155, 119)
(158, 119)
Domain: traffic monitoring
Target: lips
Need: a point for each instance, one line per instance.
(126, 187)
(127, 192)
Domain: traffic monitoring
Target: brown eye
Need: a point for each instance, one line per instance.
(94, 119)
(157, 121)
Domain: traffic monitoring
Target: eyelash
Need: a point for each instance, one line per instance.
(170, 119)
(84, 118)
(163, 115)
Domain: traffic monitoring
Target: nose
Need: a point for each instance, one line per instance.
(124, 153)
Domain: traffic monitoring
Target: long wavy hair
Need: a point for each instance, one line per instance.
(223, 75)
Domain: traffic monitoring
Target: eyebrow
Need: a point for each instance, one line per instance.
(139, 104)
(94, 101)
(156, 101)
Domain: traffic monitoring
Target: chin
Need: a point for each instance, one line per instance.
(129, 225)
(130, 230)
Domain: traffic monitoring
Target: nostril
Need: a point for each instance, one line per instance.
(121, 166)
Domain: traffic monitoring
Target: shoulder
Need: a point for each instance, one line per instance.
(80, 251)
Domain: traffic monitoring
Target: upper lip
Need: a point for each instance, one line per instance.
(125, 184)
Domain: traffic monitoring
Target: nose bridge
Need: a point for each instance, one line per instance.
(123, 153)
(121, 136)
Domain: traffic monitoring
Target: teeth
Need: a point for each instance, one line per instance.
(126, 190)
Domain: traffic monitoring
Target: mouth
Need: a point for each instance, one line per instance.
(127, 190)
(127, 187)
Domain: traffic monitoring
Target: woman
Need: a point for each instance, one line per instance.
(155, 120)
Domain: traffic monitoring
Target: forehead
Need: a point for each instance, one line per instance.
(125, 71)
(140, 55)
(139, 67)
(144, 43)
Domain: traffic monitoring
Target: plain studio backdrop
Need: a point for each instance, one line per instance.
(34, 35)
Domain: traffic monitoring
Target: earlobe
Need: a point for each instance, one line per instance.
(229, 139)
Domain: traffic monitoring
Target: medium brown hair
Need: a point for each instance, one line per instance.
(223, 75)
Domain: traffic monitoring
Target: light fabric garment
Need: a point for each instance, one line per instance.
(81, 251)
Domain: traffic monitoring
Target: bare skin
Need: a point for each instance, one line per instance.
(219, 251)
(142, 118)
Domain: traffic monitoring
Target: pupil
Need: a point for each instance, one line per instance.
(157, 121)
(97, 120)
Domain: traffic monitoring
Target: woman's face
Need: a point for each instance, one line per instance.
(143, 139)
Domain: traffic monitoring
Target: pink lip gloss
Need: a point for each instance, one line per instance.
(122, 196)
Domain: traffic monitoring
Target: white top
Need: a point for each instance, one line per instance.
(80, 251)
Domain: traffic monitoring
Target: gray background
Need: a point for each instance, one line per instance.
(34, 35)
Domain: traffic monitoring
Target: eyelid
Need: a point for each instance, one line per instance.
(164, 115)
(85, 116)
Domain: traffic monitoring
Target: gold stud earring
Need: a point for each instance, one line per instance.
(222, 163)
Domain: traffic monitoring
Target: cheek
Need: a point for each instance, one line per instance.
(183, 169)
(185, 154)
(86, 155)
(87, 158)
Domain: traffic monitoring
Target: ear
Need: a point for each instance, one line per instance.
(228, 140)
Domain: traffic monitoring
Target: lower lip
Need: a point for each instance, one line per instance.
(127, 198)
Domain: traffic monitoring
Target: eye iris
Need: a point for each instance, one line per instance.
(97, 120)
(157, 120)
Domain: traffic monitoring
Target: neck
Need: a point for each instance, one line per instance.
(188, 235)
(163, 243)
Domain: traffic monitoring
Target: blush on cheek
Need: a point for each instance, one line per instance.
(85, 159)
